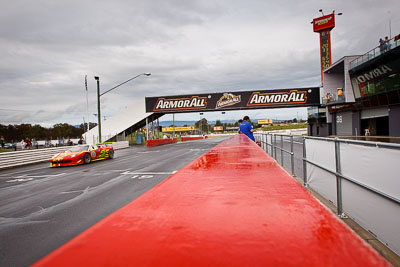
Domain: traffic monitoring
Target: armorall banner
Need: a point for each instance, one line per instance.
(258, 99)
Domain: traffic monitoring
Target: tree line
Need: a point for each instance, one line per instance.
(14, 133)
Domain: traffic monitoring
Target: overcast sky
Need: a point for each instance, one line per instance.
(190, 46)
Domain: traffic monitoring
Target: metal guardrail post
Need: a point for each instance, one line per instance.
(304, 163)
(272, 146)
(265, 147)
(262, 141)
(282, 150)
(275, 146)
(266, 143)
(338, 180)
(292, 154)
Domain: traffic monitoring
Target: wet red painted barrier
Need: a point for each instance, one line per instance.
(159, 142)
(190, 138)
(233, 206)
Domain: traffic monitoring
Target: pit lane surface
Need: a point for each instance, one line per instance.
(41, 208)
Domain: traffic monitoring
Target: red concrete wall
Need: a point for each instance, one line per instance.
(189, 138)
(233, 206)
(159, 142)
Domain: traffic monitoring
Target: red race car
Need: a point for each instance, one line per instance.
(82, 154)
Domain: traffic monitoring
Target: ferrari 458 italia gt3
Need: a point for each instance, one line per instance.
(82, 154)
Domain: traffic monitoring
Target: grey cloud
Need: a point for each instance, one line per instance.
(47, 47)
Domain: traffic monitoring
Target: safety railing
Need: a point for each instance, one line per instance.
(353, 175)
(273, 142)
(333, 98)
(377, 51)
(25, 157)
(338, 169)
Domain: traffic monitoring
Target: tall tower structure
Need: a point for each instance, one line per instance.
(323, 25)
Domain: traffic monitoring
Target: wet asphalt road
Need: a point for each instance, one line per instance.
(41, 208)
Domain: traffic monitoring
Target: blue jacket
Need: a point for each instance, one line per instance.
(245, 128)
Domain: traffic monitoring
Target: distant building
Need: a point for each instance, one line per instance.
(360, 95)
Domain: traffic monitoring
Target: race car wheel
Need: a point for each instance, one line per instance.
(111, 153)
(86, 158)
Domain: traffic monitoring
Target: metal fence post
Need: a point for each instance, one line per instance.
(292, 154)
(338, 180)
(266, 142)
(282, 150)
(275, 146)
(304, 163)
(262, 141)
(272, 146)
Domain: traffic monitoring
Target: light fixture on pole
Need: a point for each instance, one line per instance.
(99, 95)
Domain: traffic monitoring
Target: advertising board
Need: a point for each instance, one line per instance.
(296, 97)
(178, 129)
(324, 23)
(264, 121)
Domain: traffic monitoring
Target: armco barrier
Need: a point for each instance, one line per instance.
(233, 206)
(19, 158)
(159, 142)
(190, 138)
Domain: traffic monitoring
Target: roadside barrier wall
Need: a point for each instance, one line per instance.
(159, 142)
(190, 138)
(359, 177)
(233, 206)
(25, 157)
(362, 180)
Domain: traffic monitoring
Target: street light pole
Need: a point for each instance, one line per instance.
(98, 97)
(87, 108)
(147, 74)
(201, 124)
(98, 106)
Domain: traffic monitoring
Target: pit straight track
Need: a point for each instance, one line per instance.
(41, 208)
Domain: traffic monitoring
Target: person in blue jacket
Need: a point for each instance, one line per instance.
(239, 122)
(246, 128)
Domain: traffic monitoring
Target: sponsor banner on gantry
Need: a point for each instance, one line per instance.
(178, 129)
(255, 99)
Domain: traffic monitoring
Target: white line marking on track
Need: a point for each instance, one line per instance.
(38, 176)
(145, 152)
(142, 176)
(19, 180)
(25, 178)
(19, 171)
(77, 191)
